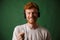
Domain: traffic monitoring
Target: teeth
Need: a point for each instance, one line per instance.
(31, 19)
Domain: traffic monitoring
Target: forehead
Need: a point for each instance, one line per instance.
(31, 10)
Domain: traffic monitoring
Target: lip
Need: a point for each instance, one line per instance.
(31, 19)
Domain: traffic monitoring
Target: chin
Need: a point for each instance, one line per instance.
(31, 22)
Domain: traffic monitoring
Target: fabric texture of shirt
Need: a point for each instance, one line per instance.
(39, 33)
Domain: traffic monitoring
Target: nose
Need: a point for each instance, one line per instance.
(31, 15)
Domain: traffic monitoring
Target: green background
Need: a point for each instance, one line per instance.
(11, 14)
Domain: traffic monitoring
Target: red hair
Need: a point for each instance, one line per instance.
(31, 5)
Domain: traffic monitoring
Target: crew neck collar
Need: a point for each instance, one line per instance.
(30, 26)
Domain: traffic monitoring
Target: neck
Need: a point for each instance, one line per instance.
(33, 26)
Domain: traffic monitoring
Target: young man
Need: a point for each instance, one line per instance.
(31, 30)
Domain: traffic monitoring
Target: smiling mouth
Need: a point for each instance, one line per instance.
(31, 18)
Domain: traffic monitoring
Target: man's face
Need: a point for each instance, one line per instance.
(31, 15)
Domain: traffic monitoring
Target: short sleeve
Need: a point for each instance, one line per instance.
(15, 32)
(48, 36)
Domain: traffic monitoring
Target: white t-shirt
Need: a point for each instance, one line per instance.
(31, 34)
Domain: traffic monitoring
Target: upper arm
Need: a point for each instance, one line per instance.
(15, 32)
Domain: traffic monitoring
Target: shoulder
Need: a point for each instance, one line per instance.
(19, 28)
(44, 31)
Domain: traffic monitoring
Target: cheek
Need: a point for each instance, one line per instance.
(36, 15)
(27, 17)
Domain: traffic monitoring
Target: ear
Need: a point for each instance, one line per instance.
(38, 14)
(24, 14)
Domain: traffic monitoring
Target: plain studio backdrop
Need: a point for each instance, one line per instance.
(12, 14)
